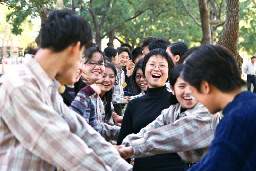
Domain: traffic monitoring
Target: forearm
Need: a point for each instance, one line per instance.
(109, 132)
(181, 135)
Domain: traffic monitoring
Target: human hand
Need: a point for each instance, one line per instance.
(118, 119)
(96, 88)
(129, 68)
(127, 98)
(125, 152)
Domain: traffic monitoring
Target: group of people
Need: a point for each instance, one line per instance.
(62, 108)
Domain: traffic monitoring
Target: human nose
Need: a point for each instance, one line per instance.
(156, 67)
(188, 90)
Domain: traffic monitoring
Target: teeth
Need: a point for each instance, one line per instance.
(188, 98)
(142, 84)
(158, 75)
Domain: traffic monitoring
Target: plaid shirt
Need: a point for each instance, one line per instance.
(39, 132)
(189, 136)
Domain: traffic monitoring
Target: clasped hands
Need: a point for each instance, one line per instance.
(125, 152)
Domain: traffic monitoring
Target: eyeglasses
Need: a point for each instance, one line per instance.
(138, 77)
(93, 64)
(160, 66)
(124, 57)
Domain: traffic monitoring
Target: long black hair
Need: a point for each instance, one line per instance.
(138, 65)
(107, 98)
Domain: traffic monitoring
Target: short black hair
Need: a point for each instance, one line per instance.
(64, 28)
(122, 49)
(175, 73)
(158, 52)
(178, 48)
(253, 57)
(30, 50)
(188, 52)
(215, 65)
(159, 43)
(125, 45)
(147, 41)
(138, 65)
(136, 52)
(93, 50)
(110, 52)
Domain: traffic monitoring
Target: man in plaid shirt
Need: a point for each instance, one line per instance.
(37, 130)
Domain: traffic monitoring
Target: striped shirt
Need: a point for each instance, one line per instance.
(189, 136)
(39, 132)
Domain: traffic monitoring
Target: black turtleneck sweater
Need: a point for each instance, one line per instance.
(139, 113)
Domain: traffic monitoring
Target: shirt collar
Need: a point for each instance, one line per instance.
(40, 74)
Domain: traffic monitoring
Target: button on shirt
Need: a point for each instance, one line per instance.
(39, 132)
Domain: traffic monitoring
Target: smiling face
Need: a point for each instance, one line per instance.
(183, 94)
(156, 71)
(94, 68)
(123, 59)
(141, 80)
(107, 81)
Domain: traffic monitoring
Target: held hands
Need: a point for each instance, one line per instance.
(125, 152)
(118, 119)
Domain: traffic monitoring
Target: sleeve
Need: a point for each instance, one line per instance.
(109, 132)
(83, 106)
(187, 133)
(126, 127)
(222, 157)
(42, 131)
(88, 90)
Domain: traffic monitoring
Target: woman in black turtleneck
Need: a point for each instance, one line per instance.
(143, 110)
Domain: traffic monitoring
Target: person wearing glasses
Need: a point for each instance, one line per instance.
(141, 111)
(87, 101)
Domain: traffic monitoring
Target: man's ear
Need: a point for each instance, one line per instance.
(75, 48)
(177, 58)
(205, 87)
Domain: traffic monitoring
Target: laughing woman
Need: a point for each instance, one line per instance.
(143, 110)
(88, 103)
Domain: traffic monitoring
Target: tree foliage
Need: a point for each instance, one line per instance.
(132, 21)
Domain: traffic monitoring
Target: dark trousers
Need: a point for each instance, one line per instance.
(251, 80)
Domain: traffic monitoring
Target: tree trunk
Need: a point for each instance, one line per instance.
(230, 35)
(98, 38)
(74, 5)
(43, 16)
(111, 37)
(204, 16)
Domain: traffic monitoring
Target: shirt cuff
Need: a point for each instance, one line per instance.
(88, 90)
(139, 147)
